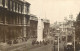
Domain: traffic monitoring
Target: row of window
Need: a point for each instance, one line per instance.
(11, 20)
(15, 6)
(16, 20)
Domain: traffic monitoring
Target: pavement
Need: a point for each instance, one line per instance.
(20, 46)
(14, 47)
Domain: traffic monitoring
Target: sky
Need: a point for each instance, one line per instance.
(54, 10)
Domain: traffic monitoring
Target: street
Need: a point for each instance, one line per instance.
(49, 47)
(43, 48)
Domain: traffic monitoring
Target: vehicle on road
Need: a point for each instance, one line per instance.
(69, 47)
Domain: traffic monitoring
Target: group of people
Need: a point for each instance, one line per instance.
(41, 42)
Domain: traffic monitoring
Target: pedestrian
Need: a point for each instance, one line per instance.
(40, 42)
(33, 42)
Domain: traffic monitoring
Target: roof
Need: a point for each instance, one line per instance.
(24, 1)
(33, 17)
(46, 21)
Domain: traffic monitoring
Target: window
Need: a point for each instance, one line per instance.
(20, 20)
(25, 9)
(21, 8)
(1, 18)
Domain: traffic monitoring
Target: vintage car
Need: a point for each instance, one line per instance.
(69, 47)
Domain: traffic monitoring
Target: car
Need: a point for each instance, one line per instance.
(69, 47)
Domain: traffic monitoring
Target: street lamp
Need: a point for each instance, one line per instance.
(73, 27)
(58, 31)
(74, 37)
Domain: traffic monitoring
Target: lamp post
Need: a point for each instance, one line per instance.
(58, 42)
(58, 31)
(74, 37)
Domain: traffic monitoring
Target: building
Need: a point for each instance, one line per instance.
(33, 26)
(66, 28)
(14, 20)
(46, 30)
(77, 28)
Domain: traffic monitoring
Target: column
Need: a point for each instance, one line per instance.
(24, 10)
(1, 3)
(11, 5)
(14, 6)
(6, 3)
(24, 26)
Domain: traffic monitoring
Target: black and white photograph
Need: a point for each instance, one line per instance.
(39, 25)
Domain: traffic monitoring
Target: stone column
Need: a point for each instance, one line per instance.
(1, 3)
(6, 3)
(24, 27)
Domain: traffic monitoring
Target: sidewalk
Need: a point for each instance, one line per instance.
(21, 46)
(6, 47)
(14, 47)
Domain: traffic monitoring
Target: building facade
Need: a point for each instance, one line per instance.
(77, 28)
(33, 26)
(14, 19)
(46, 30)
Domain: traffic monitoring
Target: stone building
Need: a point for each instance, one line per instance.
(33, 26)
(46, 30)
(14, 19)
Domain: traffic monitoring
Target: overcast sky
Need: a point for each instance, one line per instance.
(54, 10)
